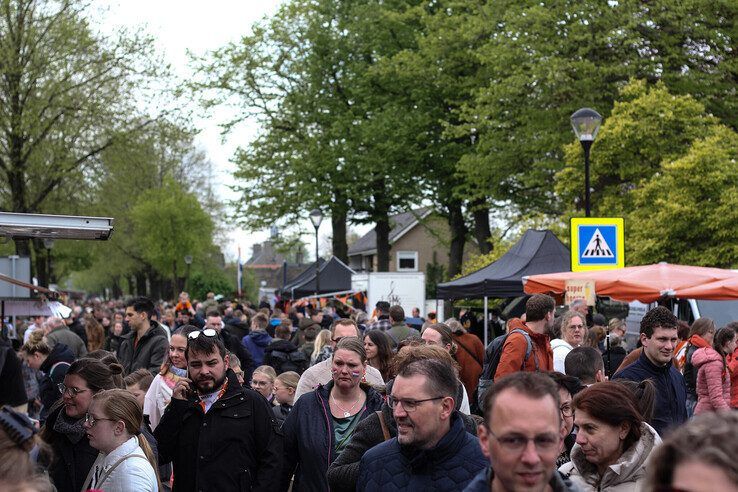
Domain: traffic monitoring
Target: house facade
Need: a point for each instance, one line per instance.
(419, 240)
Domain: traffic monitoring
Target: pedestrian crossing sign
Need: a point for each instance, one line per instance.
(597, 244)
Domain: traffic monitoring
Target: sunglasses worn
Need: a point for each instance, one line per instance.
(208, 332)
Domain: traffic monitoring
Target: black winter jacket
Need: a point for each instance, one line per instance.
(48, 391)
(671, 391)
(451, 465)
(235, 446)
(70, 461)
(308, 438)
(149, 353)
(283, 355)
(343, 474)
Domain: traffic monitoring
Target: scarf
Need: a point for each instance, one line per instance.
(72, 428)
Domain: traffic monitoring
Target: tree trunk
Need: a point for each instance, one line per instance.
(40, 260)
(117, 291)
(458, 230)
(482, 231)
(383, 246)
(140, 284)
(338, 242)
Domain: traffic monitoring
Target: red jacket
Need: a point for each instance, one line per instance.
(513, 352)
(470, 356)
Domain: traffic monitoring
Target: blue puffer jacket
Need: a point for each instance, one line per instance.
(450, 465)
(308, 438)
(671, 391)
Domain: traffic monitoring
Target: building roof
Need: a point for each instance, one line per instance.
(264, 256)
(400, 223)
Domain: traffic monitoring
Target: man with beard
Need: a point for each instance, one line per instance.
(218, 434)
(432, 450)
(539, 318)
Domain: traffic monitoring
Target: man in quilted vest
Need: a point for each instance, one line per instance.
(432, 450)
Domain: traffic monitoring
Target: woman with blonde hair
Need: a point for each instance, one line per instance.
(285, 387)
(322, 340)
(126, 461)
(17, 439)
(262, 381)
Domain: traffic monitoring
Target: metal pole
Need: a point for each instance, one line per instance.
(586, 145)
(317, 266)
(486, 322)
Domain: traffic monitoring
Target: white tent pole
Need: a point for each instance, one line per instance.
(486, 322)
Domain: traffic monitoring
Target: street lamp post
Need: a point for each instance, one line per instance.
(316, 217)
(586, 123)
(188, 262)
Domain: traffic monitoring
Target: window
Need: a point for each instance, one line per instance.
(407, 261)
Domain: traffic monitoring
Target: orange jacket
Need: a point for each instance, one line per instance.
(513, 352)
(471, 363)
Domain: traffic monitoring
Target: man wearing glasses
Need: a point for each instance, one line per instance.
(521, 436)
(432, 450)
(218, 434)
(320, 373)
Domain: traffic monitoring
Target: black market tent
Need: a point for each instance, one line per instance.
(335, 276)
(305, 275)
(535, 253)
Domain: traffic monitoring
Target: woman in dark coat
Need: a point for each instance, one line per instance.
(72, 455)
(323, 421)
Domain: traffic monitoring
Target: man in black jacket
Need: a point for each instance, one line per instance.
(232, 344)
(146, 346)
(218, 434)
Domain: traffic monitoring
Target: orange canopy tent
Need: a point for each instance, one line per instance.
(720, 290)
(641, 283)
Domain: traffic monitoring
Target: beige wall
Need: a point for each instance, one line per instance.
(429, 237)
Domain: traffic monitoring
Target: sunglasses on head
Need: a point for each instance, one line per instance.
(208, 332)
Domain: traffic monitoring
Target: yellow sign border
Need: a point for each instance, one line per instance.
(574, 224)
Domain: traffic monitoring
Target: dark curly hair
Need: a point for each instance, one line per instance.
(658, 317)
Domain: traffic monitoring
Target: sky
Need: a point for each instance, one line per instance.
(199, 27)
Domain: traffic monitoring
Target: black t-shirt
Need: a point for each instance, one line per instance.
(12, 388)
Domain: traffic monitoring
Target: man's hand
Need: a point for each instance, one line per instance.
(182, 389)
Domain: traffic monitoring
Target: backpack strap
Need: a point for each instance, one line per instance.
(105, 475)
(474, 356)
(528, 349)
(385, 430)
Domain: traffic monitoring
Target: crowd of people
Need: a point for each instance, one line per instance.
(222, 395)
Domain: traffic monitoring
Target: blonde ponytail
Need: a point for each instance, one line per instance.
(144, 444)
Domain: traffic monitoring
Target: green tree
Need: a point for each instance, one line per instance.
(170, 212)
(65, 92)
(547, 59)
(648, 125)
(688, 212)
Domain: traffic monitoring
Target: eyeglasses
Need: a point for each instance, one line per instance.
(336, 340)
(71, 391)
(566, 410)
(409, 405)
(516, 443)
(238, 373)
(208, 332)
(260, 383)
(91, 421)
(576, 327)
